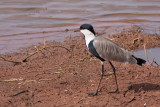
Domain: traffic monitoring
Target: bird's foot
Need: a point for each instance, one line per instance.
(114, 91)
(93, 94)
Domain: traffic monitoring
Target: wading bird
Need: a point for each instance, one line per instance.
(107, 50)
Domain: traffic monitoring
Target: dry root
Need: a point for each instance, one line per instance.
(37, 51)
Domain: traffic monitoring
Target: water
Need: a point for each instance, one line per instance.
(26, 22)
(152, 53)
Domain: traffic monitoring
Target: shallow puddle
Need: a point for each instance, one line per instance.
(153, 53)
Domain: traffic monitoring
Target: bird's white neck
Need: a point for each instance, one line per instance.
(89, 36)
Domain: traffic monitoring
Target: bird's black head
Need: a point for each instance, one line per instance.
(88, 27)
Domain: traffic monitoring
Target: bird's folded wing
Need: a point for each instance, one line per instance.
(109, 50)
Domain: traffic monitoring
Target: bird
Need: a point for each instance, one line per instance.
(106, 50)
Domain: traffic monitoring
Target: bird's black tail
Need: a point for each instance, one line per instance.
(140, 61)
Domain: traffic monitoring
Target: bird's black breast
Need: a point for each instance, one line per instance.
(93, 50)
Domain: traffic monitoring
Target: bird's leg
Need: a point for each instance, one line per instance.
(102, 74)
(114, 70)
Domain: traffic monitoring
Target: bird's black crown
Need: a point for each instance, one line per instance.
(88, 27)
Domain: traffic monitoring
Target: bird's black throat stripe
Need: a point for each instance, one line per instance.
(93, 50)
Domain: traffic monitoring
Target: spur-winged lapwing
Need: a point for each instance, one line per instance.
(107, 50)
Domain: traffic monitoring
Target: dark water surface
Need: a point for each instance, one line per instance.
(27, 22)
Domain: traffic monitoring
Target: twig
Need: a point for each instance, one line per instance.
(37, 50)
(153, 61)
(15, 62)
(13, 80)
(44, 44)
(136, 39)
(146, 53)
(156, 63)
(23, 91)
(132, 100)
(60, 47)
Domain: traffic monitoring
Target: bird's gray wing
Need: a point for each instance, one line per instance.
(109, 50)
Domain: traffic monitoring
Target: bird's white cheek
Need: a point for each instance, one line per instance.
(86, 32)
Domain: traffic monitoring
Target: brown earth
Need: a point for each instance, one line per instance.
(60, 78)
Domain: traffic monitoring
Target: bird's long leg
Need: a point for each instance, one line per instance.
(102, 74)
(114, 70)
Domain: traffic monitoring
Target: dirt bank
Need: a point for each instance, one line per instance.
(61, 78)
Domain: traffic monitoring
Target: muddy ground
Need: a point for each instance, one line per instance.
(60, 77)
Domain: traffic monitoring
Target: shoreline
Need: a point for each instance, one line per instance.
(61, 35)
(55, 76)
